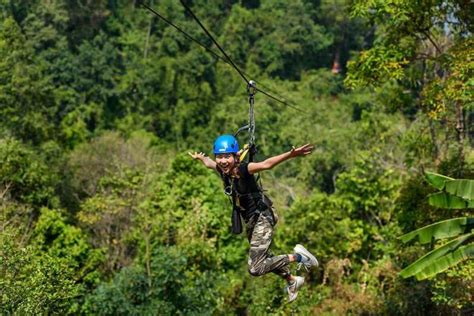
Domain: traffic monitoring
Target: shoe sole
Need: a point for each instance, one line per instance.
(291, 299)
(300, 249)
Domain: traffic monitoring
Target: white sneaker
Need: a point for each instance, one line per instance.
(293, 288)
(307, 259)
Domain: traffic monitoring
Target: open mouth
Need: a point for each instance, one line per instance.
(224, 167)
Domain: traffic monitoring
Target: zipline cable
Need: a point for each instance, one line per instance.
(182, 32)
(214, 41)
(285, 103)
(228, 58)
(219, 57)
(251, 86)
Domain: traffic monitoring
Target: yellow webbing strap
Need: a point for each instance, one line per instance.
(243, 152)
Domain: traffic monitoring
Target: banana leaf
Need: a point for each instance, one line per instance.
(437, 180)
(446, 200)
(462, 188)
(443, 263)
(431, 256)
(443, 229)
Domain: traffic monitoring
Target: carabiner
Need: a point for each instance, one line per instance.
(228, 190)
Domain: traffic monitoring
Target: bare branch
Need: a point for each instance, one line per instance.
(4, 192)
(427, 34)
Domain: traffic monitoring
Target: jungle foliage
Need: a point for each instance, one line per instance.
(454, 194)
(103, 212)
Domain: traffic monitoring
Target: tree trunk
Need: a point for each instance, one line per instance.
(435, 150)
(148, 257)
(147, 40)
(460, 130)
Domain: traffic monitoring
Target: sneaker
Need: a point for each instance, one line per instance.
(293, 288)
(307, 259)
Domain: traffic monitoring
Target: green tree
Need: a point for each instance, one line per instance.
(34, 282)
(54, 236)
(24, 175)
(27, 95)
(421, 45)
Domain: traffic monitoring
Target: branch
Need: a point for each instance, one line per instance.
(427, 34)
(289, 189)
(7, 187)
(27, 231)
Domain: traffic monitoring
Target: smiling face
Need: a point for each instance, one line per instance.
(226, 162)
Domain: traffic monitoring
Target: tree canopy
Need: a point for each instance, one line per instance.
(103, 212)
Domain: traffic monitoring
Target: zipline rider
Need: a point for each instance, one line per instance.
(256, 209)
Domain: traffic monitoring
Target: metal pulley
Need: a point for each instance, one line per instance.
(252, 87)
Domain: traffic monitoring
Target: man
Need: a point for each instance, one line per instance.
(256, 210)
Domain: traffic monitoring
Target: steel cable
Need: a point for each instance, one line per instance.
(226, 60)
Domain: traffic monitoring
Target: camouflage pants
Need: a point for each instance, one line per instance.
(261, 260)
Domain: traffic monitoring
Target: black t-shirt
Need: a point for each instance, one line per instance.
(246, 188)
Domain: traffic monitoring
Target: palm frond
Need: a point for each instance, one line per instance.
(443, 263)
(437, 180)
(443, 229)
(431, 256)
(446, 200)
(463, 188)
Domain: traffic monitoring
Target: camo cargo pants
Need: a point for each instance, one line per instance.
(261, 260)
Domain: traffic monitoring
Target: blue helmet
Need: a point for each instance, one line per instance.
(226, 144)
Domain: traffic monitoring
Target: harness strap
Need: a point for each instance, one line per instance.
(244, 153)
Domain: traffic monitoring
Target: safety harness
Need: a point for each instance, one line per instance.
(256, 201)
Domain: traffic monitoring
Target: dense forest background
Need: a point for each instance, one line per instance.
(103, 212)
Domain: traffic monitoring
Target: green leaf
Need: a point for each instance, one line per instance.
(437, 180)
(443, 263)
(431, 256)
(446, 200)
(443, 229)
(470, 204)
(463, 188)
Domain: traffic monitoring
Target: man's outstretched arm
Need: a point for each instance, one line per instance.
(271, 162)
(208, 162)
